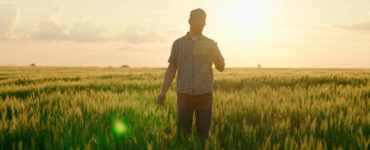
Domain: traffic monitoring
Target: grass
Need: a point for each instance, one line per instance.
(115, 108)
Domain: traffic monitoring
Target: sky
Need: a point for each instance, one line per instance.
(140, 33)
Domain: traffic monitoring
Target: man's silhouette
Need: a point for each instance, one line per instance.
(193, 56)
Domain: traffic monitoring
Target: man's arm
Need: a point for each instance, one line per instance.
(168, 78)
(218, 60)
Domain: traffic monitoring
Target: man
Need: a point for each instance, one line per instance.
(193, 56)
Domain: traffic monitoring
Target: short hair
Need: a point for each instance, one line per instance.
(198, 13)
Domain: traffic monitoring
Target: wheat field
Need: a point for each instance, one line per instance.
(115, 108)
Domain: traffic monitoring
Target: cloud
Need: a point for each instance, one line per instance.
(356, 26)
(144, 39)
(9, 18)
(52, 28)
(85, 31)
(139, 35)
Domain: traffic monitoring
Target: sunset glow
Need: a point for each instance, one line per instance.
(284, 33)
(245, 17)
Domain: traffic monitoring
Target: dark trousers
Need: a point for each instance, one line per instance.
(202, 106)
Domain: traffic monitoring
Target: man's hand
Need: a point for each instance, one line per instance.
(216, 56)
(161, 99)
(170, 74)
(212, 47)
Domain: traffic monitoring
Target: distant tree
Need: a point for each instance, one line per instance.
(259, 66)
(109, 66)
(32, 64)
(125, 66)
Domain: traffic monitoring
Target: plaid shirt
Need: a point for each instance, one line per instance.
(195, 74)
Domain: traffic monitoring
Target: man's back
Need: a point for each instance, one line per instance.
(195, 74)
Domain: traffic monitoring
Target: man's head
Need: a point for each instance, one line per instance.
(197, 20)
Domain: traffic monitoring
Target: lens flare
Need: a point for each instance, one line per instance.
(121, 128)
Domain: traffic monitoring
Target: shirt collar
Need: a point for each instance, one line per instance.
(189, 37)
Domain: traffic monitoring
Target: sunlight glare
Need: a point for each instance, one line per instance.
(245, 18)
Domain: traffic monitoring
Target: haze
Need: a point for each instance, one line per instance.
(273, 33)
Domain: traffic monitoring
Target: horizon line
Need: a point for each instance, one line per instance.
(160, 67)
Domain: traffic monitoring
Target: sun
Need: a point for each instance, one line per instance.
(245, 13)
(245, 17)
